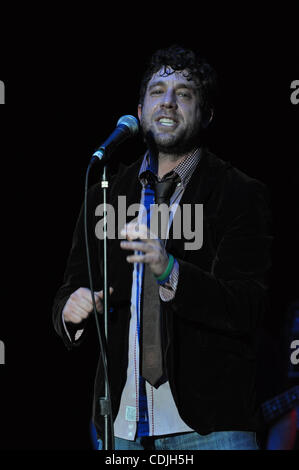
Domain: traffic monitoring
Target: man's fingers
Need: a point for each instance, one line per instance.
(133, 231)
(147, 258)
(99, 297)
(77, 309)
(73, 318)
(80, 305)
(73, 313)
(101, 292)
(138, 246)
(85, 294)
(82, 302)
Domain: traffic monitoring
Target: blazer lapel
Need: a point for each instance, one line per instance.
(206, 177)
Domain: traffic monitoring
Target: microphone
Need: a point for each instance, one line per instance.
(126, 127)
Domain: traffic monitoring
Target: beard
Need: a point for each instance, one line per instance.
(171, 143)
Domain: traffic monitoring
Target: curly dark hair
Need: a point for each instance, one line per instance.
(195, 68)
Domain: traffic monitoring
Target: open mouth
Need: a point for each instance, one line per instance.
(167, 122)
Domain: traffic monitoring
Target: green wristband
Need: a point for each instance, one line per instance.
(167, 270)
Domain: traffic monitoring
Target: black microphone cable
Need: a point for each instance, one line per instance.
(102, 349)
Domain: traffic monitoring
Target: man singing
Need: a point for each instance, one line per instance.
(183, 320)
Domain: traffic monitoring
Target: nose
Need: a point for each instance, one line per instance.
(169, 99)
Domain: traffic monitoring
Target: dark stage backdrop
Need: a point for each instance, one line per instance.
(65, 90)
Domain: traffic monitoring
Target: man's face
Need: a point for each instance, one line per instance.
(171, 114)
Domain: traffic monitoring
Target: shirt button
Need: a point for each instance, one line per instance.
(130, 426)
(130, 434)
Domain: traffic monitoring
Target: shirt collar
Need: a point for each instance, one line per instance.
(184, 169)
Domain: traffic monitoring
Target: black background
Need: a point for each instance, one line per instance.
(69, 76)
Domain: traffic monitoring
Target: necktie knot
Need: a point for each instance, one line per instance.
(164, 188)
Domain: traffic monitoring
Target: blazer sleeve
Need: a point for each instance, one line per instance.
(76, 273)
(232, 296)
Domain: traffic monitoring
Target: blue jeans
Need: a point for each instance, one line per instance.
(222, 440)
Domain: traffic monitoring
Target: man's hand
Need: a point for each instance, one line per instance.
(79, 305)
(154, 253)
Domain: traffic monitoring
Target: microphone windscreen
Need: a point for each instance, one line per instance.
(131, 122)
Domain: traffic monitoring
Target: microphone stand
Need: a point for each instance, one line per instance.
(105, 408)
(104, 402)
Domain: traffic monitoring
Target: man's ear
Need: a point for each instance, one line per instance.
(139, 111)
(207, 118)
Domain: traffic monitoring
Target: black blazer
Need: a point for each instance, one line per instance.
(211, 324)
